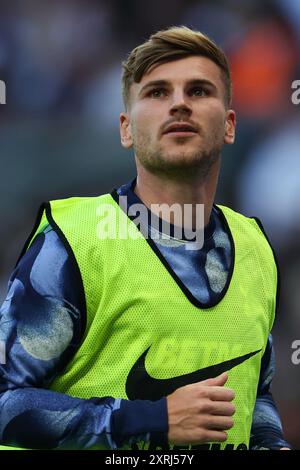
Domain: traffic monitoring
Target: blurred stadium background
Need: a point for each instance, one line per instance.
(59, 129)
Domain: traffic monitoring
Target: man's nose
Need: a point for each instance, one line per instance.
(179, 105)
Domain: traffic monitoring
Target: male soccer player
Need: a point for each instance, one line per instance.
(151, 340)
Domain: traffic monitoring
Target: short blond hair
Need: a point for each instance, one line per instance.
(176, 42)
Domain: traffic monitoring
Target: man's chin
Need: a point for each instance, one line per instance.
(189, 164)
(178, 160)
(186, 159)
(177, 168)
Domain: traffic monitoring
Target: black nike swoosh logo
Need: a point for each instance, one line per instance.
(140, 385)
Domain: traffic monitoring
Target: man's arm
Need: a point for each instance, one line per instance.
(266, 431)
(40, 325)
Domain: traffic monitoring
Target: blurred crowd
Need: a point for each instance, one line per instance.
(61, 62)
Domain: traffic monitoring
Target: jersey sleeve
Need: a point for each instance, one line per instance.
(266, 431)
(42, 326)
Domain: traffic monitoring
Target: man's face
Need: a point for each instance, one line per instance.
(178, 119)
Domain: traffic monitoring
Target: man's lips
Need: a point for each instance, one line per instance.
(180, 133)
(180, 130)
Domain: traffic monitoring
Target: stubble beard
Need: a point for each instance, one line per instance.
(181, 163)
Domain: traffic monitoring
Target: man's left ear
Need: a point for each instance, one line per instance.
(230, 125)
(125, 131)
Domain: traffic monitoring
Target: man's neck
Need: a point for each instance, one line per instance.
(155, 189)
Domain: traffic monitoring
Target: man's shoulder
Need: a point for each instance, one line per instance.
(80, 215)
(79, 201)
(252, 223)
(229, 211)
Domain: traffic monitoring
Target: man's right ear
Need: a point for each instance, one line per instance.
(125, 131)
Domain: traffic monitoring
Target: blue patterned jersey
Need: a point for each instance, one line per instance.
(41, 327)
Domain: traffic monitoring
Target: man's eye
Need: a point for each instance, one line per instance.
(157, 93)
(199, 91)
